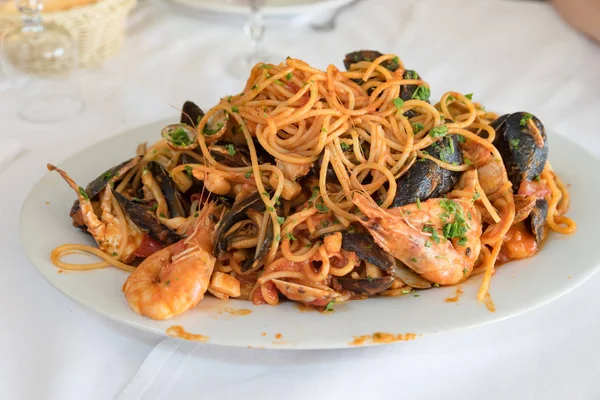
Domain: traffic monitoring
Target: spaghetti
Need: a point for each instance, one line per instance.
(329, 155)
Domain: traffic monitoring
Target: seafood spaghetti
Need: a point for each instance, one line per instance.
(322, 187)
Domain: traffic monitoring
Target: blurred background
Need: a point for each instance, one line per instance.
(105, 66)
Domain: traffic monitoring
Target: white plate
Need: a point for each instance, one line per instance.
(272, 8)
(564, 263)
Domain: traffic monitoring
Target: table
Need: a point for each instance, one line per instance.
(512, 55)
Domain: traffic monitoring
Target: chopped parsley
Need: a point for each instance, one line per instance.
(167, 283)
(234, 109)
(422, 93)
(514, 143)
(469, 96)
(461, 139)
(418, 203)
(254, 87)
(438, 131)
(525, 118)
(476, 196)
(290, 236)
(323, 129)
(417, 127)
(417, 295)
(445, 154)
(277, 81)
(468, 162)
(208, 132)
(462, 241)
(188, 170)
(536, 178)
(344, 146)
(230, 149)
(179, 137)
(280, 220)
(398, 103)
(106, 176)
(322, 208)
(196, 215)
(289, 76)
(154, 207)
(427, 243)
(431, 230)
(406, 291)
(436, 284)
(413, 259)
(83, 193)
(329, 306)
(162, 215)
(114, 254)
(450, 99)
(465, 272)
(248, 174)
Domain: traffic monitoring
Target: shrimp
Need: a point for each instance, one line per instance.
(414, 234)
(115, 234)
(174, 279)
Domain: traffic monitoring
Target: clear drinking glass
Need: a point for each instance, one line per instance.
(40, 64)
(254, 28)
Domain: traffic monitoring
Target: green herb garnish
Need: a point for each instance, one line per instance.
(83, 193)
(438, 131)
(230, 149)
(525, 118)
(514, 143)
(329, 306)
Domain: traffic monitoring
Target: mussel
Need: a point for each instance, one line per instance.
(537, 220)
(366, 249)
(235, 215)
(178, 207)
(425, 179)
(522, 152)
(147, 222)
(369, 55)
(229, 155)
(370, 286)
(411, 278)
(191, 114)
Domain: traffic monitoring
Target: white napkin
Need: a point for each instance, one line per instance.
(9, 150)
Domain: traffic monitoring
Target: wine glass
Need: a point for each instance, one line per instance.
(40, 63)
(254, 28)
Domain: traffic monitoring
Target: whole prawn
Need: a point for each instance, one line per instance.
(174, 279)
(414, 234)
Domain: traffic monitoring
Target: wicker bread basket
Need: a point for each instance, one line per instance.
(97, 28)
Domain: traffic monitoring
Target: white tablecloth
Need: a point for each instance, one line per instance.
(514, 55)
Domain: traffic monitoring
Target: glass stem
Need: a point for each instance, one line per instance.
(30, 14)
(255, 27)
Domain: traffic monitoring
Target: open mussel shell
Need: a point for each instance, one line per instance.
(178, 207)
(366, 249)
(411, 278)
(425, 179)
(369, 286)
(305, 294)
(262, 249)
(222, 153)
(147, 222)
(191, 114)
(179, 136)
(523, 158)
(537, 220)
(235, 215)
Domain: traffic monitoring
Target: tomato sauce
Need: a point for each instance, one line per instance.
(518, 243)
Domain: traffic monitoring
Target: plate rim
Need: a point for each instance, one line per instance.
(541, 301)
